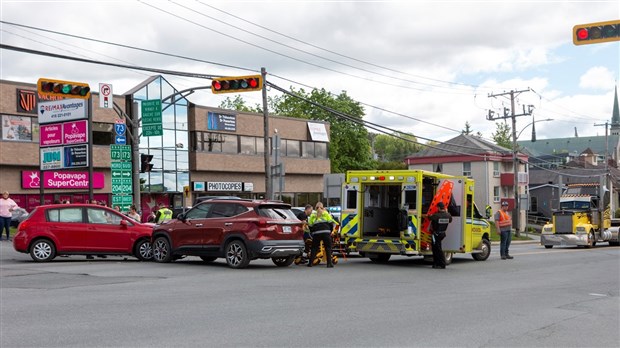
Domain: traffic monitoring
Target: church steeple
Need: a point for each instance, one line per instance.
(615, 115)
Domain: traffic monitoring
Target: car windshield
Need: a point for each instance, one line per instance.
(575, 205)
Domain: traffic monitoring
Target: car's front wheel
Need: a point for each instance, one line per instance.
(237, 254)
(43, 250)
(161, 250)
(283, 261)
(144, 250)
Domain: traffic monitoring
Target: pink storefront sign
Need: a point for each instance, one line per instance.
(75, 132)
(51, 134)
(61, 180)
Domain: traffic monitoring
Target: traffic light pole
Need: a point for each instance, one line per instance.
(268, 184)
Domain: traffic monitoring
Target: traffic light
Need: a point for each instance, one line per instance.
(145, 163)
(67, 89)
(584, 34)
(237, 84)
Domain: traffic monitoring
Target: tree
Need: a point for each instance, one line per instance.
(394, 148)
(468, 130)
(502, 135)
(349, 148)
(239, 104)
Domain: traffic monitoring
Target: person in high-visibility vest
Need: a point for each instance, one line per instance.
(503, 222)
(163, 214)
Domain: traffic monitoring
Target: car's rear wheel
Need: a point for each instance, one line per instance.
(283, 261)
(42, 250)
(237, 254)
(548, 246)
(161, 250)
(144, 250)
(208, 258)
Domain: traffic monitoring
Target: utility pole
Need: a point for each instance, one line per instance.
(516, 212)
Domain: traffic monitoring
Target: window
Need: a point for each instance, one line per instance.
(230, 144)
(533, 204)
(293, 147)
(103, 133)
(199, 212)
(439, 168)
(247, 145)
(307, 149)
(100, 216)
(65, 215)
(495, 194)
(496, 169)
(467, 169)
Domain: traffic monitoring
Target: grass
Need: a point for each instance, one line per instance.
(495, 236)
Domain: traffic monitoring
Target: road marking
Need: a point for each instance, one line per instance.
(595, 294)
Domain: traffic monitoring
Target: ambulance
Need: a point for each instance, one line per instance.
(385, 212)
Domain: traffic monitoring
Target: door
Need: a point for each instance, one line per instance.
(67, 226)
(188, 234)
(221, 221)
(104, 232)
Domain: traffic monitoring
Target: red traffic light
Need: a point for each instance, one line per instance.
(596, 32)
(237, 84)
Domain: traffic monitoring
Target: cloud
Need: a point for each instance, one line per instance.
(598, 77)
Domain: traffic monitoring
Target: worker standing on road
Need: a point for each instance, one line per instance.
(321, 224)
(503, 222)
(439, 225)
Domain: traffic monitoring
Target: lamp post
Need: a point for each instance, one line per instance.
(515, 163)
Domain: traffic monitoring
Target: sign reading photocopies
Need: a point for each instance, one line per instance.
(224, 186)
(318, 132)
(62, 110)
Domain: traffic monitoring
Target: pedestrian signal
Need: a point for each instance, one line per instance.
(67, 89)
(237, 84)
(584, 34)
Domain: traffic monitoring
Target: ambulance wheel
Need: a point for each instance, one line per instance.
(486, 251)
(448, 256)
(548, 246)
(283, 261)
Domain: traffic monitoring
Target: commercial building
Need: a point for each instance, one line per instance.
(211, 151)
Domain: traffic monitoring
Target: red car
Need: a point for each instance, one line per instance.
(238, 230)
(81, 229)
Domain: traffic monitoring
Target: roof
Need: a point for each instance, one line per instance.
(578, 145)
(462, 145)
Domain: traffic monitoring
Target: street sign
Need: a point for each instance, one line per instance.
(121, 166)
(120, 152)
(151, 118)
(121, 186)
(120, 128)
(120, 140)
(105, 96)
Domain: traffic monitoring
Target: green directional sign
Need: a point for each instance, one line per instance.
(120, 152)
(151, 118)
(121, 185)
(121, 166)
(124, 201)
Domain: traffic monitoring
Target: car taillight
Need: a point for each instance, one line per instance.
(23, 225)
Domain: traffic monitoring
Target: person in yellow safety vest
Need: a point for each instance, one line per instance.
(321, 224)
(503, 222)
(488, 211)
(163, 214)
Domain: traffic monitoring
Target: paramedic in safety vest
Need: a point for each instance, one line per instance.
(503, 222)
(321, 224)
(439, 225)
(164, 214)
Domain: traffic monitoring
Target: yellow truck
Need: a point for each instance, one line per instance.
(385, 213)
(583, 219)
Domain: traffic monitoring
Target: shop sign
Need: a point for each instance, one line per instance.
(51, 158)
(26, 101)
(75, 132)
(61, 179)
(62, 110)
(50, 134)
(224, 186)
(76, 156)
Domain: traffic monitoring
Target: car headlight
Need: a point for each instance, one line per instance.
(581, 229)
(547, 229)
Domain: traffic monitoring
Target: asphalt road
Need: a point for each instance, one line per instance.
(562, 297)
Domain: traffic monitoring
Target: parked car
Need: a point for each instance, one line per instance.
(18, 215)
(238, 230)
(81, 229)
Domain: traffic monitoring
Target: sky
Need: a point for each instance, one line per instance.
(421, 67)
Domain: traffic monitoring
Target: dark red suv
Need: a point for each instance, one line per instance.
(81, 229)
(238, 230)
